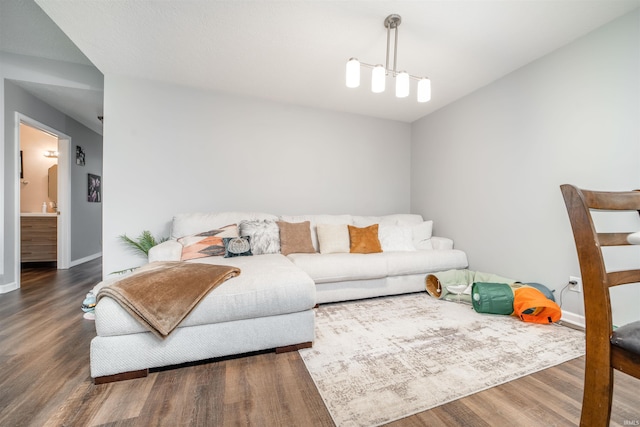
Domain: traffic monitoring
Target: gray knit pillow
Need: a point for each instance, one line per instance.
(265, 236)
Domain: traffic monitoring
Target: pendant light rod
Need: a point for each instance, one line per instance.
(386, 67)
(395, 51)
(392, 21)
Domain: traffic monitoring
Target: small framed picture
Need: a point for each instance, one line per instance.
(79, 156)
(94, 194)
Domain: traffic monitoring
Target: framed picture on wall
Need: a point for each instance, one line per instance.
(94, 194)
(79, 156)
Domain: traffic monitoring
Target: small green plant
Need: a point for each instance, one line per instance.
(140, 245)
(143, 243)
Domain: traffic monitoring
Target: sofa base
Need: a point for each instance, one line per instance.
(295, 347)
(113, 355)
(142, 373)
(370, 288)
(121, 377)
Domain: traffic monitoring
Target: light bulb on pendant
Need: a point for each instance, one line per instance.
(402, 84)
(378, 77)
(353, 73)
(424, 90)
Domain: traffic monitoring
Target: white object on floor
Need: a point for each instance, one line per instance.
(89, 316)
(456, 289)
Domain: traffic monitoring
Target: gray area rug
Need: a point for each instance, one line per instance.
(379, 360)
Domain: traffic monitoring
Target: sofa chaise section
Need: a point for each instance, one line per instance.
(269, 305)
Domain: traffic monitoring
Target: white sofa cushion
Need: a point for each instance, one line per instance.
(422, 235)
(324, 268)
(441, 243)
(403, 263)
(395, 219)
(268, 285)
(396, 238)
(333, 238)
(328, 268)
(193, 223)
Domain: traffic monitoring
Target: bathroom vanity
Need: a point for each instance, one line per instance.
(38, 237)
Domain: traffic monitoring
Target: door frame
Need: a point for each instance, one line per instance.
(64, 192)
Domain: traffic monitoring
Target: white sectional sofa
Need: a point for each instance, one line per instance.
(270, 304)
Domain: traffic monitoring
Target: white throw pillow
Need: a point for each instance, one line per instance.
(333, 238)
(394, 238)
(422, 235)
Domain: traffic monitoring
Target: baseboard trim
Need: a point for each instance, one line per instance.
(572, 318)
(8, 287)
(85, 259)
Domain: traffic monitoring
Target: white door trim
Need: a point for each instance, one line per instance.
(64, 192)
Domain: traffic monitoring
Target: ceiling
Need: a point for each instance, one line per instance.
(295, 51)
(26, 30)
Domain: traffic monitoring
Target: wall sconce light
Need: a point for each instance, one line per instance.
(51, 153)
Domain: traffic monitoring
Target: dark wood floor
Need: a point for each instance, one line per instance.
(45, 381)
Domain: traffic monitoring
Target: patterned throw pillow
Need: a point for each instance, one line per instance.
(237, 246)
(208, 243)
(364, 240)
(264, 234)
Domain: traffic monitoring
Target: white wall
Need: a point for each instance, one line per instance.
(171, 149)
(488, 168)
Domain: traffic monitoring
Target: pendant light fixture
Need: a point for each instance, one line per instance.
(380, 73)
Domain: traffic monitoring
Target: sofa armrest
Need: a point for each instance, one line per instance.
(171, 250)
(441, 243)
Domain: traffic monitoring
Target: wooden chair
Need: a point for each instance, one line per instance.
(606, 349)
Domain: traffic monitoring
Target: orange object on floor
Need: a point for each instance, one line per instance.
(531, 305)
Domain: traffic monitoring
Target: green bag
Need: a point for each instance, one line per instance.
(493, 298)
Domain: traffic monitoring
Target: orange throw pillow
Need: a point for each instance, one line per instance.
(364, 240)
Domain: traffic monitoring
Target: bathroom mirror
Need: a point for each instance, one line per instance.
(53, 183)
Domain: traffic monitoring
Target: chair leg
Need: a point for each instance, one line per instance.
(597, 395)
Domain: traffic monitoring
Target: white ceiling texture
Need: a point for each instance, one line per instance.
(295, 51)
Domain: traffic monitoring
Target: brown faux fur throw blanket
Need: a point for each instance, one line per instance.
(161, 294)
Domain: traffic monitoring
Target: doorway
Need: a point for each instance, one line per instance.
(43, 201)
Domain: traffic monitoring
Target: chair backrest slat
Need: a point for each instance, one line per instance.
(613, 239)
(580, 203)
(606, 200)
(616, 278)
